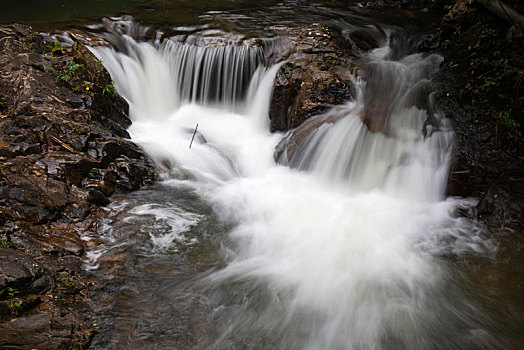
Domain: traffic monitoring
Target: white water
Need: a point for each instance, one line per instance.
(342, 256)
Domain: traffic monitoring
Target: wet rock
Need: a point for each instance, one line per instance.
(500, 206)
(114, 148)
(129, 170)
(43, 331)
(429, 42)
(61, 156)
(76, 212)
(50, 240)
(316, 75)
(30, 193)
(487, 163)
(97, 198)
(20, 272)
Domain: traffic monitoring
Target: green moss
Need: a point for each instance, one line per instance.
(61, 76)
(490, 74)
(109, 90)
(54, 47)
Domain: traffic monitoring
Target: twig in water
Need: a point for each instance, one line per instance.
(193, 136)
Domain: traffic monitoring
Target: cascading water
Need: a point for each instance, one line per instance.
(410, 155)
(206, 74)
(345, 252)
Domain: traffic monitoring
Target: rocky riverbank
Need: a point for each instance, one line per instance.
(63, 152)
(482, 85)
(482, 79)
(317, 75)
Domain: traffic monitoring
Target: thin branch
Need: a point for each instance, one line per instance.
(193, 136)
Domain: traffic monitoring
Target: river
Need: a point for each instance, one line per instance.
(348, 243)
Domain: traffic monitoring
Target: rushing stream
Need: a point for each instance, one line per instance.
(348, 243)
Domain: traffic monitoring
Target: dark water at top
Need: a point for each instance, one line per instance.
(44, 14)
(251, 18)
(51, 14)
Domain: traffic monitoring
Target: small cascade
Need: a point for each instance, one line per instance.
(166, 82)
(160, 78)
(389, 138)
(212, 75)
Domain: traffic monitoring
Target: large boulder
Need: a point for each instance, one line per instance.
(317, 74)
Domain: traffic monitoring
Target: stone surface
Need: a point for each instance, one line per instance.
(316, 75)
(45, 331)
(293, 141)
(479, 76)
(62, 153)
(19, 271)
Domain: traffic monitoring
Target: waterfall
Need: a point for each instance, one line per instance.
(212, 74)
(408, 157)
(343, 246)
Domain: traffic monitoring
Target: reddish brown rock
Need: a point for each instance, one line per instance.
(61, 155)
(316, 75)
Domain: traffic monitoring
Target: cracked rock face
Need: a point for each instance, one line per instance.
(62, 154)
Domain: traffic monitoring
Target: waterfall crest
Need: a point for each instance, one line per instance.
(212, 75)
(160, 78)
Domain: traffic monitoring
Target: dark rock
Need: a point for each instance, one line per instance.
(104, 180)
(487, 162)
(52, 239)
(97, 198)
(19, 271)
(70, 167)
(42, 331)
(317, 75)
(61, 155)
(112, 149)
(500, 206)
(42, 284)
(286, 149)
(76, 212)
(5, 310)
(129, 170)
(35, 197)
(429, 42)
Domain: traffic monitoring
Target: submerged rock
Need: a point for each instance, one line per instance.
(61, 155)
(294, 141)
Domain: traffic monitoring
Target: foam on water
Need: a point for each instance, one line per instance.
(345, 252)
